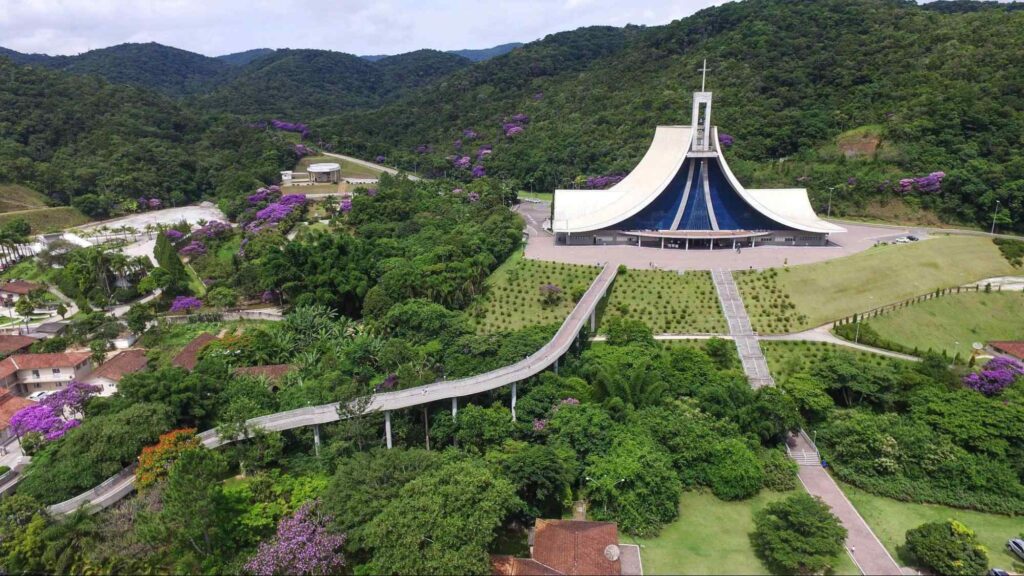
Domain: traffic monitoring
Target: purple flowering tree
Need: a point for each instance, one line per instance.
(302, 545)
(726, 140)
(457, 191)
(600, 182)
(345, 206)
(513, 131)
(261, 195)
(56, 414)
(478, 171)
(186, 304)
(462, 162)
(302, 150)
(155, 203)
(995, 376)
(174, 235)
(372, 192)
(469, 134)
(550, 294)
(457, 144)
(473, 197)
(538, 96)
(193, 249)
(539, 424)
(484, 151)
(380, 159)
(213, 229)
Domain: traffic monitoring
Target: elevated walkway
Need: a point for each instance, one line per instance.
(754, 364)
(122, 484)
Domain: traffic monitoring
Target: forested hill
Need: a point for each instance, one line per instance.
(859, 93)
(96, 145)
(162, 68)
(307, 83)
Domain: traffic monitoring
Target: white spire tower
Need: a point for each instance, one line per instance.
(700, 123)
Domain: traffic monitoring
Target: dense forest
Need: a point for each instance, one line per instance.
(858, 95)
(97, 146)
(896, 108)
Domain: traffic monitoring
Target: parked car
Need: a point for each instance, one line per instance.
(913, 238)
(37, 396)
(1016, 546)
(997, 572)
(902, 241)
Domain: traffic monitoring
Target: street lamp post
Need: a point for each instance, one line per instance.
(994, 214)
(830, 189)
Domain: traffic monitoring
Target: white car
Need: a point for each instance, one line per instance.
(902, 241)
(37, 396)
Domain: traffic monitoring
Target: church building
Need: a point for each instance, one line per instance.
(683, 195)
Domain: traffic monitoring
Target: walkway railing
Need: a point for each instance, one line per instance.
(120, 485)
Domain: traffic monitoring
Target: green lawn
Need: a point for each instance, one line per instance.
(788, 358)
(166, 341)
(48, 219)
(834, 289)
(712, 537)
(545, 196)
(349, 169)
(512, 299)
(27, 270)
(890, 520)
(668, 302)
(17, 197)
(952, 323)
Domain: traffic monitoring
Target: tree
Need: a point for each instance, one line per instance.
(62, 310)
(798, 535)
(735, 472)
(196, 514)
(948, 547)
(24, 307)
(772, 415)
(302, 545)
(364, 483)
(22, 523)
(633, 484)
(542, 475)
(156, 460)
(441, 522)
(222, 297)
(138, 317)
(624, 331)
(479, 428)
(810, 397)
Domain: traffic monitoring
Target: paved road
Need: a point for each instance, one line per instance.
(754, 364)
(862, 544)
(120, 485)
(362, 162)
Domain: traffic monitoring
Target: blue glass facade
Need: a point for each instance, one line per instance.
(731, 211)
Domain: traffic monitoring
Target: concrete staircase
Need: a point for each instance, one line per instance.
(754, 364)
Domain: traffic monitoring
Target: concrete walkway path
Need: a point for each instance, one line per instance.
(863, 546)
(824, 333)
(754, 364)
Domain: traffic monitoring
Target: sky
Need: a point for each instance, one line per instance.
(215, 27)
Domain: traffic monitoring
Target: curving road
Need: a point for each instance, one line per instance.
(122, 484)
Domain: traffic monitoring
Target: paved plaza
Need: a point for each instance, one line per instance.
(857, 238)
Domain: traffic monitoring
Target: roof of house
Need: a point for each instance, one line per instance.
(51, 327)
(1014, 348)
(126, 362)
(270, 372)
(51, 360)
(566, 547)
(9, 405)
(13, 343)
(512, 566)
(20, 287)
(576, 546)
(189, 355)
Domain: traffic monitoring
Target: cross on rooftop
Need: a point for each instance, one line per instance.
(704, 74)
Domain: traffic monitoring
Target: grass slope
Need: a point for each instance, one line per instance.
(788, 358)
(890, 520)
(668, 302)
(712, 537)
(48, 219)
(952, 323)
(349, 169)
(14, 197)
(833, 289)
(512, 298)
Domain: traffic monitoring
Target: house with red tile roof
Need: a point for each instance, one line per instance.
(109, 374)
(189, 355)
(572, 547)
(10, 344)
(272, 372)
(28, 373)
(1013, 348)
(12, 290)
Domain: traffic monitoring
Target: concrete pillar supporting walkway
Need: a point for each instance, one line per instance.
(754, 364)
(862, 545)
(513, 401)
(387, 426)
